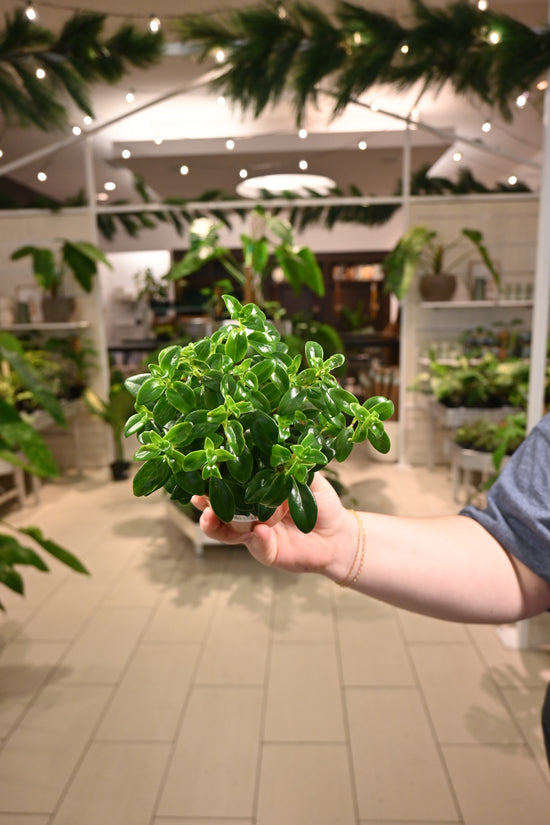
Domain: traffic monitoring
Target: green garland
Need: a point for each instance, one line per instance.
(270, 52)
(73, 60)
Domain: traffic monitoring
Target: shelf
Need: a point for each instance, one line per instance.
(528, 302)
(57, 326)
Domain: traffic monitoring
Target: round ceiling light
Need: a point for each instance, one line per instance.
(298, 184)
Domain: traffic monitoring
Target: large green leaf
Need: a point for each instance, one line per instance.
(151, 476)
(302, 506)
(221, 499)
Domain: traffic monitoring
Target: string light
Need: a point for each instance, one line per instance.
(457, 156)
(42, 177)
(30, 11)
(41, 73)
(76, 131)
(494, 37)
(415, 115)
(158, 140)
(486, 127)
(482, 5)
(303, 165)
(221, 101)
(87, 120)
(109, 186)
(375, 106)
(243, 174)
(302, 134)
(220, 56)
(1, 153)
(521, 100)
(281, 11)
(184, 170)
(230, 144)
(362, 145)
(154, 24)
(130, 96)
(542, 85)
(404, 48)
(126, 154)
(512, 180)
(102, 196)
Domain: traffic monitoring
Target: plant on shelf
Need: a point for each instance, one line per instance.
(235, 417)
(114, 411)
(486, 382)
(268, 238)
(500, 438)
(51, 266)
(22, 446)
(421, 249)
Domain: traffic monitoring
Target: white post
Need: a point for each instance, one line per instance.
(406, 193)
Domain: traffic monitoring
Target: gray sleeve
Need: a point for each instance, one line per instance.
(518, 504)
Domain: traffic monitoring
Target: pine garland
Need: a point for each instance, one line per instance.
(73, 60)
(268, 53)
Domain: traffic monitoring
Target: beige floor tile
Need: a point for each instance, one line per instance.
(463, 702)
(101, 652)
(497, 785)
(525, 704)
(372, 648)
(214, 766)
(24, 668)
(303, 609)
(179, 820)
(526, 668)
(305, 784)
(150, 697)
(63, 616)
(24, 819)
(184, 616)
(143, 580)
(38, 759)
(116, 784)
(418, 628)
(397, 770)
(304, 698)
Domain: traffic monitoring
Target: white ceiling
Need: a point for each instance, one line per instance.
(194, 127)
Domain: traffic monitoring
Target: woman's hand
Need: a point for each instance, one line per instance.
(329, 548)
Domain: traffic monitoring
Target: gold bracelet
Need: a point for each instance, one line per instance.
(350, 579)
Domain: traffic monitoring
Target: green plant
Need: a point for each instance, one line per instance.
(499, 438)
(22, 446)
(50, 266)
(151, 288)
(267, 237)
(114, 411)
(235, 417)
(421, 249)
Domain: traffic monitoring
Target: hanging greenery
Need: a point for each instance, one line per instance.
(270, 50)
(71, 61)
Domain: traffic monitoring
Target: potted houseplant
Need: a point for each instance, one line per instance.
(114, 411)
(421, 249)
(50, 267)
(234, 417)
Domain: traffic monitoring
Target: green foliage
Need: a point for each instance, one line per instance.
(235, 417)
(50, 266)
(420, 249)
(499, 438)
(114, 411)
(269, 54)
(77, 57)
(21, 445)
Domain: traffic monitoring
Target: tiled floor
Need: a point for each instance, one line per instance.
(168, 689)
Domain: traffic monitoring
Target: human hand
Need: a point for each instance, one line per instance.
(327, 549)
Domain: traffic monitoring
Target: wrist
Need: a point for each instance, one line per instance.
(347, 561)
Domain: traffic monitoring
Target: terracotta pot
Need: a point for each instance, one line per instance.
(440, 287)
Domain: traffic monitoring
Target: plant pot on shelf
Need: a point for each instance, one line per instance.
(59, 309)
(120, 470)
(437, 287)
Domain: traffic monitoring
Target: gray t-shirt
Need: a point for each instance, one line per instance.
(518, 504)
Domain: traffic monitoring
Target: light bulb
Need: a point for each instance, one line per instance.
(220, 56)
(158, 140)
(109, 185)
(457, 156)
(303, 165)
(87, 120)
(30, 11)
(512, 180)
(230, 144)
(404, 49)
(221, 101)
(41, 73)
(154, 23)
(362, 145)
(302, 134)
(482, 5)
(521, 100)
(126, 154)
(243, 174)
(76, 131)
(130, 96)
(184, 170)
(486, 127)
(42, 176)
(494, 37)
(374, 106)
(1, 153)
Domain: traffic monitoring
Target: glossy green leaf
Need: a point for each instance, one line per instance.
(168, 359)
(302, 506)
(181, 396)
(343, 444)
(192, 482)
(240, 468)
(221, 499)
(134, 383)
(180, 434)
(150, 391)
(380, 442)
(151, 476)
(194, 460)
(292, 400)
(235, 436)
(314, 353)
(135, 424)
(236, 345)
(380, 405)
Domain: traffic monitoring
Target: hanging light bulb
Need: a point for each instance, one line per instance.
(154, 23)
(41, 73)
(76, 131)
(30, 11)
(486, 127)
(87, 120)
(243, 174)
(230, 144)
(303, 165)
(512, 180)
(130, 96)
(302, 134)
(184, 170)
(126, 154)
(42, 177)
(362, 145)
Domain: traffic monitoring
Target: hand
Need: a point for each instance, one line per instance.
(328, 548)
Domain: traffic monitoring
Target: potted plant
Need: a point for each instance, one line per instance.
(50, 267)
(421, 249)
(114, 412)
(234, 417)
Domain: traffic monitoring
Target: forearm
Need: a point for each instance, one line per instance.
(448, 567)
